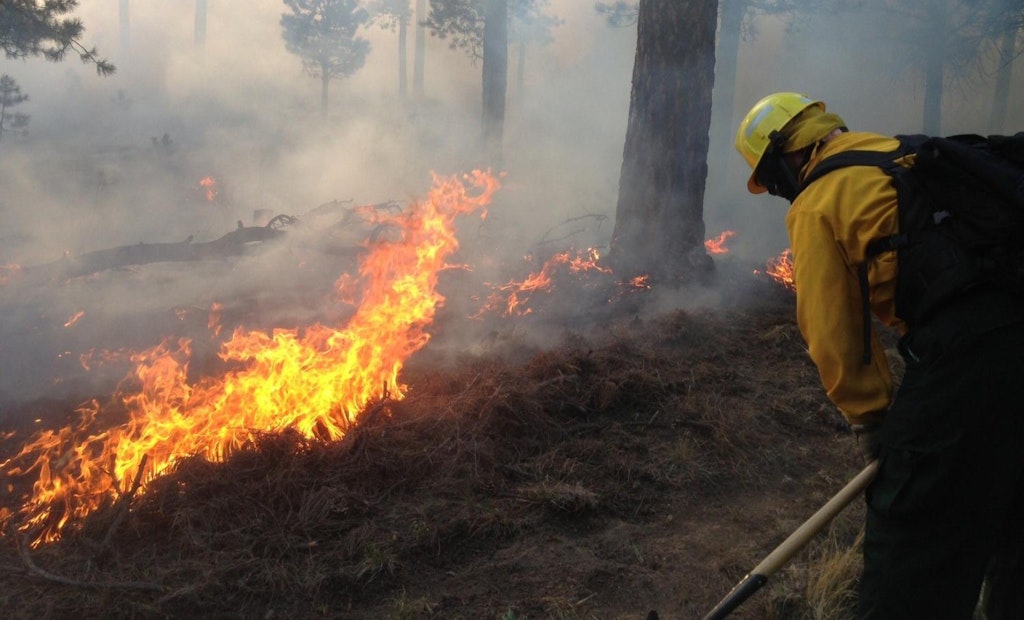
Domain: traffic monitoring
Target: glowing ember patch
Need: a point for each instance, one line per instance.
(9, 272)
(717, 245)
(213, 322)
(74, 318)
(314, 380)
(511, 298)
(210, 185)
(95, 358)
(780, 269)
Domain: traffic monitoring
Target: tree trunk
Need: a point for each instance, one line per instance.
(521, 69)
(723, 115)
(934, 69)
(200, 25)
(1007, 53)
(123, 18)
(495, 79)
(325, 79)
(403, 36)
(420, 51)
(659, 225)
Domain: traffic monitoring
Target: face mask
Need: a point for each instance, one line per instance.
(774, 173)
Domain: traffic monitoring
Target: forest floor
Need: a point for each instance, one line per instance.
(644, 464)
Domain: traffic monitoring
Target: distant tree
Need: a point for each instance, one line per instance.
(10, 96)
(659, 225)
(1006, 22)
(618, 14)
(940, 44)
(323, 34)
(395, 15)
(200, 25)
(530, 27)
(420, 48)
(481, 29)
(29, 28)
(124, 20)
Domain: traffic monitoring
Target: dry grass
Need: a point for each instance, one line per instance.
(605, 429)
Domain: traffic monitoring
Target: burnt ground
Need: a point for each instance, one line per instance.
(646, 464)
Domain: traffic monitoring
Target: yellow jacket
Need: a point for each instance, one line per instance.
(830, 224)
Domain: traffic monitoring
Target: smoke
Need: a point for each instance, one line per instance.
(117, 161)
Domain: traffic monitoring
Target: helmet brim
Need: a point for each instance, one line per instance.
(753, 186)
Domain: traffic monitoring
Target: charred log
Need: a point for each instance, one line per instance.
(235, 243)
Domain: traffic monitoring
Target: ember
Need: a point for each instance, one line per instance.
(313, 380)
(210, 185)
(74, 318)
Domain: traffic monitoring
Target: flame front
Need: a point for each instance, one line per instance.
(780, 269)
(313, 380)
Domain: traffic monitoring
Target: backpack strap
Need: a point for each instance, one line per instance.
(888, 161)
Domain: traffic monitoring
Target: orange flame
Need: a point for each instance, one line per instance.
(94, 358)
(74, 318)
(717, 245)
(213, 322)
(314, 380)
(210, 185)
(780, 269)
(517, 293)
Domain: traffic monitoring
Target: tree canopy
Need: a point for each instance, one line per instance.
(323, 34)
(30, 29)
(461, 22)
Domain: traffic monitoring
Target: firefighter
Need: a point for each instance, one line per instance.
(945, 512)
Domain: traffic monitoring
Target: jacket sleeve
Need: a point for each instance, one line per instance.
(830, 319)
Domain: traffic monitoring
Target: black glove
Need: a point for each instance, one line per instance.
(869, 439)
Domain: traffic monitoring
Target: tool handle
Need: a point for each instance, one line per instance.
(740, 592)
(803, 534)
(793, 544)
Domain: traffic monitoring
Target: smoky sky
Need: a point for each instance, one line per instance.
(111, 161)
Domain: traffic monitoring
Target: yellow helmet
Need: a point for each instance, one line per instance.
(768, 115)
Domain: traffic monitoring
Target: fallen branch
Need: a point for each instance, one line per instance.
(34, 569)
(232, 244)
(123, 504)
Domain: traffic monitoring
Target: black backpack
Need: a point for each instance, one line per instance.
(961, 219)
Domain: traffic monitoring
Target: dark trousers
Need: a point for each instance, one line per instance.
(945, 512)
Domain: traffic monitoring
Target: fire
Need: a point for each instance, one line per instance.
(8, 272)
(74, 318)
(314, 380)
(210, 185)
(95, 358)
(511, 297)
(717, 245)
(780, 269)
(213, 322)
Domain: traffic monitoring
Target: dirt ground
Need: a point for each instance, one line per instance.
(645, 464)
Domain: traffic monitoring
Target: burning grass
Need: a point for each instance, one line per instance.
(495, 487)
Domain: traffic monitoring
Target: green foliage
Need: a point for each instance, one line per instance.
(10, 96)
(29, 28)
(461, 22)
(323, 34)
(389, 14)
(618, 14)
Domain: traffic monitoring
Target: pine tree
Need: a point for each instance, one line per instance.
(29, 28)
(323, 34)
(10, 96)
